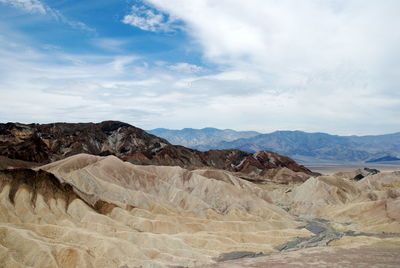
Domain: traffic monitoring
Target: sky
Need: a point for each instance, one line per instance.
(313, 65)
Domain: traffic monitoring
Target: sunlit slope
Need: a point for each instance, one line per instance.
(369, 205)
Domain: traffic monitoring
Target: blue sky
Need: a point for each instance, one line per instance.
(312, 65)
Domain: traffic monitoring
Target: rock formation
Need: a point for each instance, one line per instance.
(370, 205)
(91, 211)
(8, 163)
(51, 142)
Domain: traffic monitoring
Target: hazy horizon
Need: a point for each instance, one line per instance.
(207, 127)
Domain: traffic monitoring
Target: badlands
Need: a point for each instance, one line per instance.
(250, 210)
(92, 211)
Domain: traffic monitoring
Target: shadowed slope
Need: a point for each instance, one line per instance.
(7, 163)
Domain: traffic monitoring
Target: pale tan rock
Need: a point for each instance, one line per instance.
(110, 213)
(117, 213)
(369, 205)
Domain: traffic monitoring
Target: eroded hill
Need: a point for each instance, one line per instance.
(90, 211)
(93, 211)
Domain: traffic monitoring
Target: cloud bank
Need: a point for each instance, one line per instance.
(324, 65)
(330, 66)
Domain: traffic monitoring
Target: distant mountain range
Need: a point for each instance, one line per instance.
(384, 159)
(301, 146)
(201, 139)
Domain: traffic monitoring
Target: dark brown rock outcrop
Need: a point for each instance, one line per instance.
(7, 163)
(44, 143)
(46, 185)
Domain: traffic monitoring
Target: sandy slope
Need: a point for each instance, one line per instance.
(369, 205)
(90, 211)
(118, 214)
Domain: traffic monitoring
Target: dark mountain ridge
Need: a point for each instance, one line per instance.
(387, 158)
(44, 143)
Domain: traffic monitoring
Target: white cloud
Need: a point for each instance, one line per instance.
(149, 19)
(31, 6)
(339, 57)
(184, 67)
(54, 86)
(38, 7)
(288, 34)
